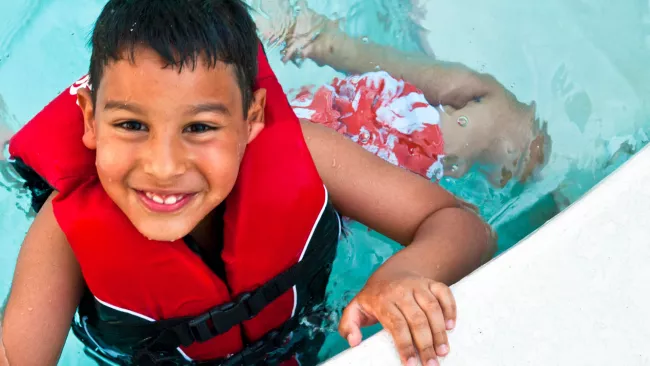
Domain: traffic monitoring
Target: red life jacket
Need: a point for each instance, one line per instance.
(277, 207)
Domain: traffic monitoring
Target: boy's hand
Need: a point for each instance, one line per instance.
(294, 27)
(416, 311)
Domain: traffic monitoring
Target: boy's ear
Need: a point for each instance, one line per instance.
(255, 119)
(84, 99)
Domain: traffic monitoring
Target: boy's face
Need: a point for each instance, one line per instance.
(168, 144)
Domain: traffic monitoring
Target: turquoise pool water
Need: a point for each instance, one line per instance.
(584, 63)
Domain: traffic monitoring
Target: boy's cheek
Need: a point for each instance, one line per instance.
(107, 162)
(111, 161)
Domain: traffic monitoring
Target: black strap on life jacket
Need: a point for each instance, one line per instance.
(275, 347)
(260, 352)
(184, 331)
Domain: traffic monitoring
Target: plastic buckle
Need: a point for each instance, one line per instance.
(224, 317)
(243, 299)
(199, 328)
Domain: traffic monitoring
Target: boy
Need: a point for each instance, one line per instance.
(479, 121)
(180, 142)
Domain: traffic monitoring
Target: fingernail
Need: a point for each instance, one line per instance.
(443, 349)
(412, 362)
(450, 324)
(432, 362)
(349, 338)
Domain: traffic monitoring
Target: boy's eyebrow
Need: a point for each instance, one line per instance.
(219, 108)
(118, 104)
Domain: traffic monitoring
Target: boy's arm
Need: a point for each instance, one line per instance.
(314, 36)
(311, 35)
(400, 205)
(445, 241)
(45, 293)
(443, 83)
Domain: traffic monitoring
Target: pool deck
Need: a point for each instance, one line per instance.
(575, 292)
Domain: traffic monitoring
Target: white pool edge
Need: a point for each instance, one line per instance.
(571, 293)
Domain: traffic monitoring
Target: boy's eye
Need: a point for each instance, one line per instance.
(198, 128)
(132, 126)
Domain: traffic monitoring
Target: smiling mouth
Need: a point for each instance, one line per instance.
(165, 203)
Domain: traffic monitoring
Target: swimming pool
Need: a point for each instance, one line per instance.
(585, 63)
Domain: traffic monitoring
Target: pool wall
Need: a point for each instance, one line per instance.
(575, 292)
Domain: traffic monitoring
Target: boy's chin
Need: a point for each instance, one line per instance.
(163, 231)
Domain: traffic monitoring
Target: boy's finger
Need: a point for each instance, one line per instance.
(351, 323)
(421, 330)
(394, 322)
(447, 303)
(293, 48)
(431, 307)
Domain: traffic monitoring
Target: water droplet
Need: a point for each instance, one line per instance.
(364, 39)
(364, 136)
(377, 68)
(512, 85)
(72, 34)
(131, 29)
(454, 168)
(30, 308)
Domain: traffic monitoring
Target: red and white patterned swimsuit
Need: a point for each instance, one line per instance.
(388, 117)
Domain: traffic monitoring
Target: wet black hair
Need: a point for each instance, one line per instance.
(182, 32)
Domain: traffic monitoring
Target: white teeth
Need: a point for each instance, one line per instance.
(168, 200)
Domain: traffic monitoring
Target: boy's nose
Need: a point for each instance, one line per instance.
(164, 159)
